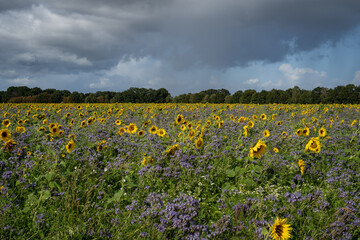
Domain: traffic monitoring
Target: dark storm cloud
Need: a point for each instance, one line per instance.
(84, 35)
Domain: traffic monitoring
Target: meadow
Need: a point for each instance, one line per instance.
(179, 171)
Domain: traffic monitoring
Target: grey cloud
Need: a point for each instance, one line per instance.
(58, 36)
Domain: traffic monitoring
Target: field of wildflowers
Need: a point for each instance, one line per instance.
(179, 171)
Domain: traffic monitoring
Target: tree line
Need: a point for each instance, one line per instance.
(340, 94)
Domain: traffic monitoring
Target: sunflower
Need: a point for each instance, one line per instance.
(6, 122)
(52, 125)
(246, 130)
(140, 133)
(9, 145)
(280, 230)
(220, 124)
(279, 123)
(90, 121)
(306, 132)
(266, 133)
(241, 120)
(179, 119)
(254, 117)
(5, 134)
(191, 133)
(121, 131)
(161, 132)
(284, 134)
(118, 122)
(299, 132)
(132, 128)
(171, 151)
(70, 146)
(101, 145)
(276, 150)
(301, 164)
(258, 149)
(20, 122)
(153, 129)
(20, 129)
(251, 124)
(322, 132)
(147, 160)
(313, 145)
(199, 142)
(41, 129)
(263, 117)
(183, 127)
(55, 131)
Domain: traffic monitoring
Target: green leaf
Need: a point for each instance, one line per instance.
(230, 173)
(44, 195)
(49, 176)
(264, 231)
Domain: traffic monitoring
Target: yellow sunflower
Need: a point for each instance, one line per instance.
(161, 132)
(301, 164)
(20, 129)
(263, 117)
(83, 124)
(251, 124)
(6, 122)
(9, 145)
(171, 151)
(313, 145)
(153, 129)
(258, 150)
(280, 230)
(299, 132)
(140, 133)
(121, 131)
(118, 122)
(322, 132)
(266, 133)
(179, 119)
(306, 132)
(199, 142)
(5, 134)
(101, 146)
(276, 150)
(70, 146)
(132, 128)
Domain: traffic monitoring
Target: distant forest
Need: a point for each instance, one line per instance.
(340, 94)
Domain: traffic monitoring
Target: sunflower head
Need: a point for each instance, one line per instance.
(179, 119)
(6, 122)
(5, 134)
(199, 142)
(322, 132)
(9, 145)
(258, 150)
(140, 133)
(266, 133)
(280, 230)
(132, 128)
(161, 132)
(313, 145)
(70, 146)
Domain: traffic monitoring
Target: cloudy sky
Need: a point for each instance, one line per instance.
(181, 45)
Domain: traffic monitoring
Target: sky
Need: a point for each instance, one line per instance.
(181, 45)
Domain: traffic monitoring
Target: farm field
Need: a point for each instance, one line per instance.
(179, 171)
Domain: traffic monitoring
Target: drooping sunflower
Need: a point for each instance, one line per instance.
(313, 145)
(191, 133)
(132, 128)
(101, 146)
(280, 230)
(161, 132)
(70, 146)
(5, 134)
(322, 132)
(258, 150)
(172, 150)
(301, 164)
(153, 129)
(266, 133)
(6, 122)
(199, 143)
(9, 145)
(246, 130)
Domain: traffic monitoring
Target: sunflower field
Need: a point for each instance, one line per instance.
(179, 171)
